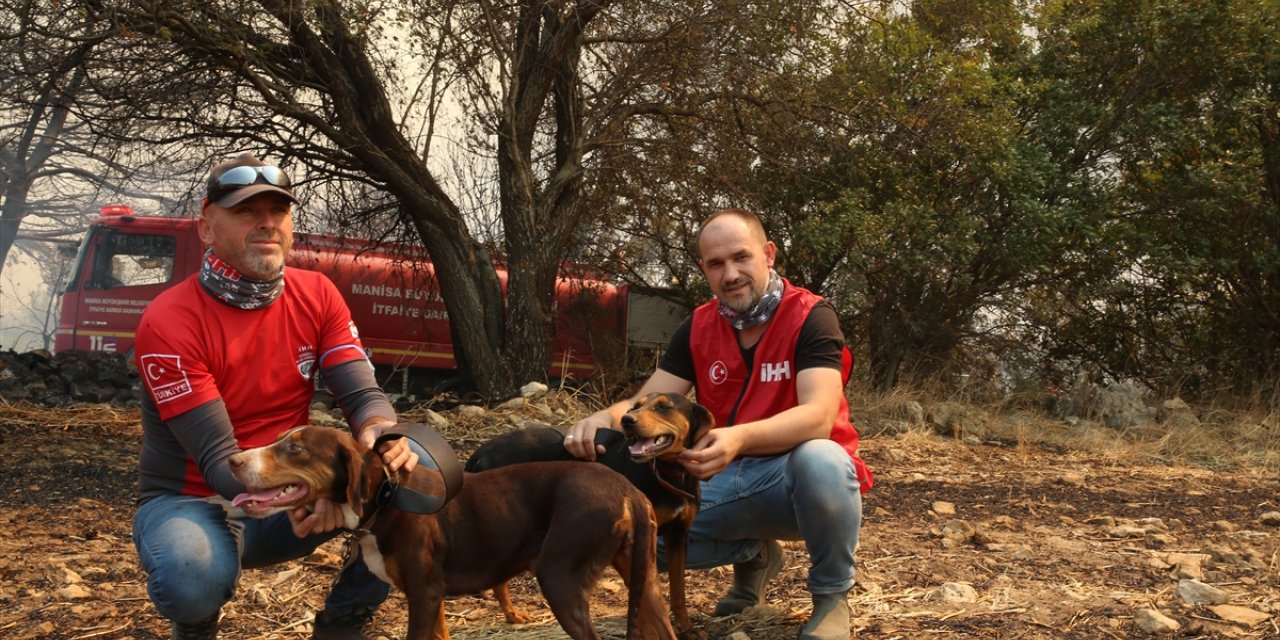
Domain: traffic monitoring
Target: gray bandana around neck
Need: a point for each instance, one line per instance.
(762, 310)
(229, 287)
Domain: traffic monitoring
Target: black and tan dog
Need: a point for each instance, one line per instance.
(654, 432)
(564, 521)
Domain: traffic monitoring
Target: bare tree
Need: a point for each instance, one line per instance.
(36, 92)
(63, 142)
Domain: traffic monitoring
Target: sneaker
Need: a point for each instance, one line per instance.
(207, 630)
(348, 627)
(830, 618)
(750, 578)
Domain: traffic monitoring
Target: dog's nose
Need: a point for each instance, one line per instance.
(236, 460)
(628, 420)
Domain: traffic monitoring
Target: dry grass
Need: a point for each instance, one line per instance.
(81, 416)
(1242, 435)
(1236, 434)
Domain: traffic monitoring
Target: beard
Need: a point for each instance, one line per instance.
(744, 305)
(264, 266)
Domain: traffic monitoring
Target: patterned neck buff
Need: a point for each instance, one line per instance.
(227, 286)
(762, 310)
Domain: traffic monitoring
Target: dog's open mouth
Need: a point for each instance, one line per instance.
(645, 448)
(269, 499)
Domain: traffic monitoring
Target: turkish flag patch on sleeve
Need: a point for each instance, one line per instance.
(164, 376)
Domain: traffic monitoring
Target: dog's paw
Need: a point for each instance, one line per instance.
(692, 634)
(516, 616)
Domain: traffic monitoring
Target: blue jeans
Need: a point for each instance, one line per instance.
(193, 555)
(809, 493)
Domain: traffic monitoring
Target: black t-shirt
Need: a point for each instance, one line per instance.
(821, 344)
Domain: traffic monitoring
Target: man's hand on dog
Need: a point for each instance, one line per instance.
(580, 440)
(713, 452)
(395, 453)
(327, 516)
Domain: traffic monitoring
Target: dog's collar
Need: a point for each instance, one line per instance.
(391, 494)
(682, 478)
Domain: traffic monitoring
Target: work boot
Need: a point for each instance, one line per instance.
(750, 578)
(347, 627)
(207, 630)
(830, 619)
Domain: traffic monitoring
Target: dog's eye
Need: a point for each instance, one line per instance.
(295, 448)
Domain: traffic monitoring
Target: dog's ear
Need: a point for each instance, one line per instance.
(701, 421)
(354, 464)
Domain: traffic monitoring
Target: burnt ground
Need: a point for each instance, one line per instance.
(1054, 543)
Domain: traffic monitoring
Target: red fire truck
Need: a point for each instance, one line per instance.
(126, 260)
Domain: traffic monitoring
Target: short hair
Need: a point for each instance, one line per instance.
(752, 220)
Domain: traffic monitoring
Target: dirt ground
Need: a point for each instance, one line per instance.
(1044, 542)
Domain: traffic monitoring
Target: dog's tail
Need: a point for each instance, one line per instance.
(647, 617)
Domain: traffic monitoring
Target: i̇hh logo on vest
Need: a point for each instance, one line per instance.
(775, 371)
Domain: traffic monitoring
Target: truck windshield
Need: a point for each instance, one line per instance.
(133, 260)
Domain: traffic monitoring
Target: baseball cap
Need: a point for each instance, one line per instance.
(243, 177)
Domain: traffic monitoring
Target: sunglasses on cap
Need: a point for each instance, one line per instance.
(246, 175)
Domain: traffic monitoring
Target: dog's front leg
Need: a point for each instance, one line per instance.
(676, 538)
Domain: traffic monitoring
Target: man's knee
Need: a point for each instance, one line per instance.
(822, 463)
(190, 558)
(191, 590)
(823, 483)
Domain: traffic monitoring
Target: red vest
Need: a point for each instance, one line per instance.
(735, 395)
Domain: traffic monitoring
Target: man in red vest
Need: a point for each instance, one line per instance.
(768, 359)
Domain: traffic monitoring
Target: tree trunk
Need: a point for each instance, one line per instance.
(540, 212)
(26, 155)
(9, 223)
(368, 128)
(911, 341)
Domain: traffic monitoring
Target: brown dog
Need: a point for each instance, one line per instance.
(654, 432)
(564, 521)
